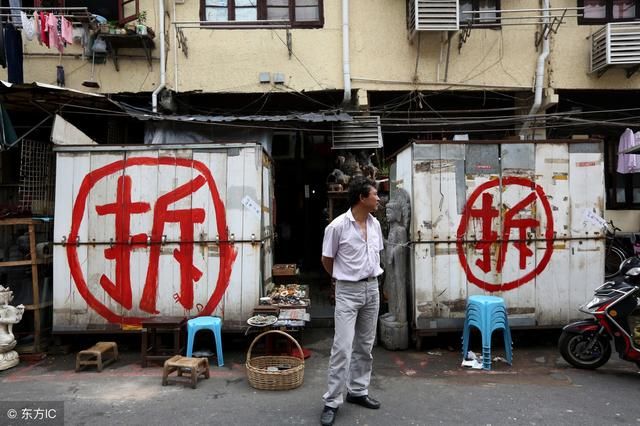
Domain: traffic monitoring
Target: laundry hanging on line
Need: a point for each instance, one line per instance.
(628, 163)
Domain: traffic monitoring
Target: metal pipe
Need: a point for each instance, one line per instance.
(346, 65)
(175, 50)
(163, 59)
(537, 102)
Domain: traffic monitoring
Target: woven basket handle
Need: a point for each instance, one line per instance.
(287, 335)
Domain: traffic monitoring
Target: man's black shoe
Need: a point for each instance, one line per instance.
(364, 400)
(328, 416)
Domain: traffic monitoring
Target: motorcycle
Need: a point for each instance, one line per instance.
(615, 311)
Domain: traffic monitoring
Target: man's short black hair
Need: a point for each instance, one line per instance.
(358, 186)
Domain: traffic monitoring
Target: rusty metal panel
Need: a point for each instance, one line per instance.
(482, 159)
(586, 188)
(142, 232)
(520, 197)
(553, 284)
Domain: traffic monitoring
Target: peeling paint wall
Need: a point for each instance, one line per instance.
(521, 233)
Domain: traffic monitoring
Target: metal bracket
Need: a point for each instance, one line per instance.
(182, 42)
(289, 43)
(549, 28)
(465, 33)
(631, 71)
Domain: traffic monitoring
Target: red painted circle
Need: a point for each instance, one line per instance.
(464, 223)
(227, 252)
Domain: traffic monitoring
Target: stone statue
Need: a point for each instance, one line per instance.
(9, 315)
(394, 328)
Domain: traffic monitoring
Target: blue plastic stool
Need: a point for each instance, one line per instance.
(205, 323)
(487, 314)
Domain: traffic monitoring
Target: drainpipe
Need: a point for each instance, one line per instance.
(346, 65)
(163, 59)
(537, 100)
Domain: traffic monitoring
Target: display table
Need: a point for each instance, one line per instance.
(293, 325)
(152, 329)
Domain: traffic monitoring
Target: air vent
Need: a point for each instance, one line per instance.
(432, 15)
(361, 133)
(617, 44)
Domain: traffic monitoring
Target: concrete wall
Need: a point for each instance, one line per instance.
(382, 57)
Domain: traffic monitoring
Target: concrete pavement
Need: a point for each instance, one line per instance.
(416, 388)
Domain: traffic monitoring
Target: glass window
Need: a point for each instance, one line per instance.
(624, 9)
(486, 8)
(216, 10)
(305, 12)
(602, 11)
(465, 6)
(595, 9)
(278, 10)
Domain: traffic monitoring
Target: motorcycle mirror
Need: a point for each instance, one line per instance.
(633, 272)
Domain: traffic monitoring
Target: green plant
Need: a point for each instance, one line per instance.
(142, 18)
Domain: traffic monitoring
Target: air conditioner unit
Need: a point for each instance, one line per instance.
(432, 15)
(617, 44)
(364, 132)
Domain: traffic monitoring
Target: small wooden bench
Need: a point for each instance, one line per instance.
(94, 355)
(178, 363)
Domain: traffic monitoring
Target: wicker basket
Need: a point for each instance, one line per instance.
(288, 378)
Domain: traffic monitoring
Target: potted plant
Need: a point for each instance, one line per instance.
(141, 28)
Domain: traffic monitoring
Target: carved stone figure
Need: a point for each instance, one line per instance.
(394, 328)
(9, 315)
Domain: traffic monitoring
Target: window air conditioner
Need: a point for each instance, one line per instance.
(432, 15)
(617, 44)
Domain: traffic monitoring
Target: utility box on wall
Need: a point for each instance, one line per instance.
(155, 230)
(509, 219)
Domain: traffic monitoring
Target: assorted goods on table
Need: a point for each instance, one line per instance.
(285, 306)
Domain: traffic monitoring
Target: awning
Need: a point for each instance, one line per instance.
(34, 104)
(51, 98)
(304, 117)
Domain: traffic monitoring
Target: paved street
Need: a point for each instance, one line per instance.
(416, 388)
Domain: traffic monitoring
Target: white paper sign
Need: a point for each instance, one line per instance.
(590, 216)
(251, 205)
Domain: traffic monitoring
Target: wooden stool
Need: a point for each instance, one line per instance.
(93, 355)
(196, 367)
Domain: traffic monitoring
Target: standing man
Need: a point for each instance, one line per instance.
(351, 255)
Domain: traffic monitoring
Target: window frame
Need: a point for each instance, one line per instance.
(122, 19)
(475, 6)
(608, 15)
(231, 23)
(613, 179)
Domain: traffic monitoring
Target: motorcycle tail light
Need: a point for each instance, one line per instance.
(613, 313)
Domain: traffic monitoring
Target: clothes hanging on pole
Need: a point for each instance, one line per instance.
(28, 26)
(55, 41)
(66, 30)
(37, 27)
(44, 29)
(3, 56)
(628, 163)
(15, 5)
(13, 47)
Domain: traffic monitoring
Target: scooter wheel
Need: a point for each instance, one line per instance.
(573, 348)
